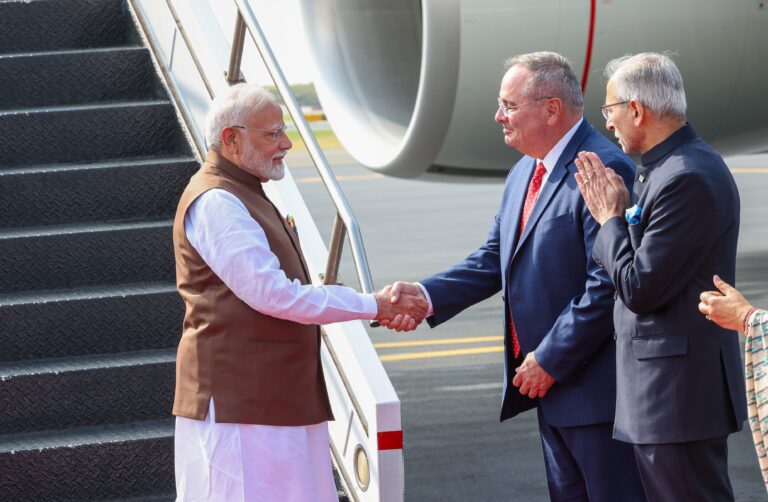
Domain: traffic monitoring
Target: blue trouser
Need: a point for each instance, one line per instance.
(585, 463)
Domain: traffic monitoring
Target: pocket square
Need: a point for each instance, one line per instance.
(633, 214)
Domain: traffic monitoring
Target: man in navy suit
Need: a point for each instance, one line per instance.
(680, 382)
(559, 344)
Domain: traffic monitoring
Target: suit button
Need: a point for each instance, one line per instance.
(615, 337)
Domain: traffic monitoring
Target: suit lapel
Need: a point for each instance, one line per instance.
(555, 179)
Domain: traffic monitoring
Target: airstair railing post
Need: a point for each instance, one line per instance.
(236, 56)
(335, 250)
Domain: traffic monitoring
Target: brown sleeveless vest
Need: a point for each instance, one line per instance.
(258, 369)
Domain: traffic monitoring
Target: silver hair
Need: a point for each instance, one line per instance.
(233, 107)
(551, 75)
(651, 78)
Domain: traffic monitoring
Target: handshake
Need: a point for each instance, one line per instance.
(401, 306)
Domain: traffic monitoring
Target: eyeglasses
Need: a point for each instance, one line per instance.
(275, 133)
(605, 108)
(508, 110)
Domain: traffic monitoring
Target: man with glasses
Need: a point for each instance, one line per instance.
(680, 382)
(559, 343)
(250, 401)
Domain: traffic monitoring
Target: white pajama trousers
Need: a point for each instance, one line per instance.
(252, 463)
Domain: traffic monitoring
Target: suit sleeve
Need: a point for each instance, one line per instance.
(670, 251)
(586, 323)
(472, 280)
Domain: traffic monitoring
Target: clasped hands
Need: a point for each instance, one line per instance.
(402, 306)
(603, 190)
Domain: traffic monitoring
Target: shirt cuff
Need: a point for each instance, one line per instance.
(370, 307)
(430, 312)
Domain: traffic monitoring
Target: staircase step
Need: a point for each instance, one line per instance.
(77, 76)
(118, 461)
(38, 25)
(90, 133)
(52, 394)
(88, 321)
(99, 192)
(86, 255)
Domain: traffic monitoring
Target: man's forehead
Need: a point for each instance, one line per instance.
(513, 82)
(269, 117)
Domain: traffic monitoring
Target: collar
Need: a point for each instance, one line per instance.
(551, 158)
(677, 138)
(218, 161)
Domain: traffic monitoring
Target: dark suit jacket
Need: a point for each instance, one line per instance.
(680, 376)
(560, 299)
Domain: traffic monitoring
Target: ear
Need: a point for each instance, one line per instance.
(553, 109)
(637, 112)
(229, 140)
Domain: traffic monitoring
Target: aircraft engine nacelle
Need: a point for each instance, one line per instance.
(411, 85)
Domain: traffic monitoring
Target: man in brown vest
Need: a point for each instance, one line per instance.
(251, 402)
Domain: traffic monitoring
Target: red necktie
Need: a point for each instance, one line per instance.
(533, 192)
(530, 199)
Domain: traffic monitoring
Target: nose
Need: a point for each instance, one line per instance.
(500, 117)
(285, 141)
(609, 124)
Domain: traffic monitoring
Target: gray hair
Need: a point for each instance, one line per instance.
(551, 75)
(233, 107)
(651, 78)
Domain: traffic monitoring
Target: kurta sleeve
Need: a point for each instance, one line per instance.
(235, 246)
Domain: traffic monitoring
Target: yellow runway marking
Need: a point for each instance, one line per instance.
(444, 341)
(318, 179)
(750, 170)
(442, 353)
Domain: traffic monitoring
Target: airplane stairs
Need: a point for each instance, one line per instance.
(92, 162)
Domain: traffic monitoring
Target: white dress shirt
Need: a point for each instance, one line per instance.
(551, 158)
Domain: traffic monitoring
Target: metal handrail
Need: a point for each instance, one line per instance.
(173, 87)
(192, 54)
(247, 19)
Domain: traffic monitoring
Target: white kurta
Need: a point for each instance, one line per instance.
(246, 462)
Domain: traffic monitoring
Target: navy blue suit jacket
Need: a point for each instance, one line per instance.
(560, 299)
(680, 376)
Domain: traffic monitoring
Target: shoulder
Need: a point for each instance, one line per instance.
(678, 184)
(519, 167)
(217, 201)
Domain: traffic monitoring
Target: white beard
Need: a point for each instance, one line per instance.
(257, 164)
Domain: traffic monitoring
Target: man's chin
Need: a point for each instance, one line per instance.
(280, 175)
(277, 170)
